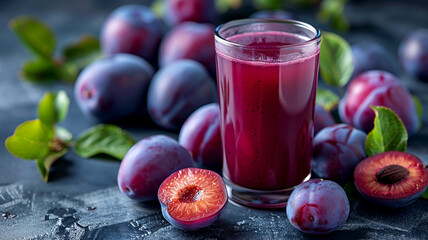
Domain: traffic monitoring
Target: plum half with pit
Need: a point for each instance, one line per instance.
(337, 150)
(132, 29)
(189, 40)
(200, 135)
(177, 90)
(178, 11)
(148, 163)
(372, 56)
(318, 206)
(192, 198)
(322, 118)
(113, 87)
(378, 88)
(392, 179)
(413, 52)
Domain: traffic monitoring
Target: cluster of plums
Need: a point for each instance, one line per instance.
(168, 74)
(125, 82)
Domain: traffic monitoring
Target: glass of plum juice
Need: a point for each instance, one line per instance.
(267, 72)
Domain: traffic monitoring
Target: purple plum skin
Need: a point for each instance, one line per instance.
(372, 56)
(179, 11)
(200, 135)
(177, 90)
(378, 88)
(413, 52)
(132, 29)
(276, 14)
(148, 163)
(337, 150)
(189, 40)
(318, 206)
(322, 118)
(190, 226)
(113, 87)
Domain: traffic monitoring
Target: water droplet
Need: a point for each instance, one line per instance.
(5, 215)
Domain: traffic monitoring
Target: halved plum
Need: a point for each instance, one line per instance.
(192, 198)
(392, 179)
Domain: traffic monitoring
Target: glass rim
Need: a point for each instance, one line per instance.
(247, 21)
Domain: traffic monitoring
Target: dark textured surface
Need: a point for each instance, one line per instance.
(82, 201)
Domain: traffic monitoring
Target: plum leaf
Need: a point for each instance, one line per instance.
(30, 140)
(82, 52)
(35, 35)
(419, 108)
(39, 70)
(44, 164)
(53, 107)
(63, 134)
(335, 60)
(327, 98)
(104, 139)
(388, 134)
(332, 11)
(425, 194)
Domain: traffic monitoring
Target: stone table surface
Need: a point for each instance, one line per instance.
(60, 209)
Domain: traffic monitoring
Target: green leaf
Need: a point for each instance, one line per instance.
(158, 7)
(82, 52)
(39, 70)
(327, 99)
(53, 107)
(35, 35)
(63, 134)
(388, 134)
(268, 4)
(332, 11)
(419, 109)
(351, 191)
(335, 60)
(104, 139)
(44, 164)
(68, 72)
(425, 194)
(30, 140)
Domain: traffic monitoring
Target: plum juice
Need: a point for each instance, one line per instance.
(266, 110)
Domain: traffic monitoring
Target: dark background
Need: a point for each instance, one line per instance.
(58, 209)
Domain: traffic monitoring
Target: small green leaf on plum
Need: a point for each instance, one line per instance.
(388, 134)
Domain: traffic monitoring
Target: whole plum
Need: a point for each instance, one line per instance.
(413, 53)
(113, 87)
(277, 14)
(189, 40)
(372, 56)
(178, 11)
(317, 206)
(377, 88)
(322, 118)
(148, 163)
(132, 29)
(177, 90)
(200, 135)
(337, 150)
